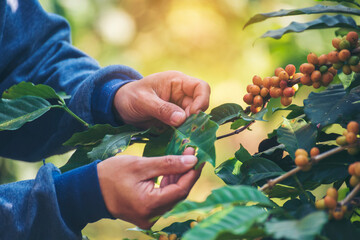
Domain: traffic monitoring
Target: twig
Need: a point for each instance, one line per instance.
(314, 160)
(351, 195)
(237, 131)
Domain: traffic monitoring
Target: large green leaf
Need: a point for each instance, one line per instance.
(235, 220)
(309, 10)
(226, 112)
(113, 144)
(223, 196)
(295, 134)
(178, 228)
(283, 191)
(14, 113)
(95, 134)
(305, 228)
(341, 230)
(199, 132)
(29, 89)
(349, 81)
(229, 172)
(295, 110)
(258, 169)
(242, 154)
(334, 105)
(78, 158)
(257, 116)
(157, 145)
(324, 21)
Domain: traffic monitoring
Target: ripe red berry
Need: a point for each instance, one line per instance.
(307, 68)
(283, 76)
(278, 70)
(353, 38)
(257, 80)
(316, 85)
(275, 92)
(323, 59)
(316, 76)
(254, 90)
(330, 202)
(314, 152)
(290, 69)
(288, 92)
(306, 80)
(258, 101)
(312, 58)
(336, 43)
(351, 138)
(344, 55)
(327, 78)
(283, 84)
(333, 57)
(275, 81)
(353, 127)
(248, 98)
(286, 101)
(267, 82)
(264, 92)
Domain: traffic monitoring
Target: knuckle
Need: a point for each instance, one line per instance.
(169, 162)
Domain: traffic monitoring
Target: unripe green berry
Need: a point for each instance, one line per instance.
(323, 69)
(344, 44)
(354, 60)
(341, 140)
(338, 65)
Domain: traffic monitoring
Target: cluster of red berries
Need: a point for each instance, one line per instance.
(346, 55)
(331, 202)
(350, 137)
(302, 158)
(272, 87)
(317, 71)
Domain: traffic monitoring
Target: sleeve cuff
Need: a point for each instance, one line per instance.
(102, 101)
(79, 197)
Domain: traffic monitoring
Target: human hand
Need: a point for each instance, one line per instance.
(127, 185)
(169, 96)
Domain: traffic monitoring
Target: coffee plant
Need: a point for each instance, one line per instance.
(268, 195)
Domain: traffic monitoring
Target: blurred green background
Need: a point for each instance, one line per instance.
(202, 38)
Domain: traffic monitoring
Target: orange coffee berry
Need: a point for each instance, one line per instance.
(351, 138)
(344, 55)
(275, 81)
(320, 204)
(307, 68)
(283, 76)
(354, 180)
(267, 82)
(316, 76)
(336, 43)
(357, 169)
(278, 70)
(248, 98)
(316, 85)
(286, 101)
(323, 59)
(314, 152)
(254, 90)
(298, 75)
(301, 151)
(327, 78)
(333, 57)
(351, 169)
(257, 80)
(330, 202)
(312, 58)
(264, 92)
(258, 101)
(332, 70)
(353, 38)
(290, 69)
(301, 161)
(332, 192)
(288, 92)
(283, 84)
(353, 127)
(306, 80)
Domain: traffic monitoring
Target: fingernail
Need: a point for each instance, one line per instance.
(189, 160)
(177, 118)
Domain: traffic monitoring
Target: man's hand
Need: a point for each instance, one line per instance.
(127, 185)
(169, 96)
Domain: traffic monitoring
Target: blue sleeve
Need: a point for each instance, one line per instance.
(31, 209)
(35, 46)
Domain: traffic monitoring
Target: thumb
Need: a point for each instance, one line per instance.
(166, 112)
(171, 164)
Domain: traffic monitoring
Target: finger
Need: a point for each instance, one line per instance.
(199, 91)
(165, 165)
(173, 193)
(166, 112)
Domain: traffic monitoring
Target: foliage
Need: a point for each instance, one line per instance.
(245, 208)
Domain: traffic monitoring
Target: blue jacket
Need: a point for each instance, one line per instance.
(35, 46)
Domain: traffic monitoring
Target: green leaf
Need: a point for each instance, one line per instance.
(223, 196)
(309, 10)
(349, 81)
(113, 144)
(229, 171)
(295, 110)
(178, 228)
(242, 154)
(334, 105)
(235, 220)
(238, 123)
(257, 116)
(258, 169)
(283, 191)
(14, 113)
(199, 132)
(29, 89)
(95, 134)
(78, 158)
(324, 21)
(157, 145)
(225, 112)
(305, 228)
(341, 230)
(295, 134)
